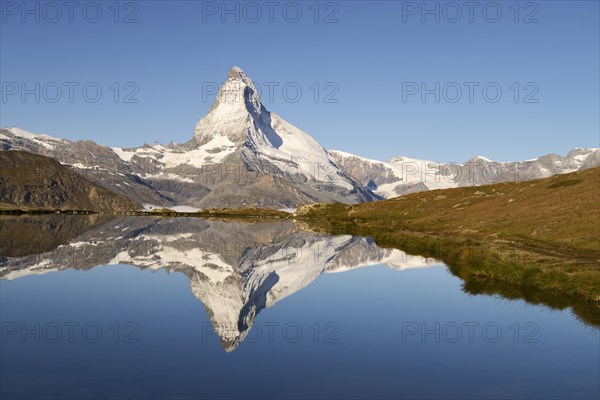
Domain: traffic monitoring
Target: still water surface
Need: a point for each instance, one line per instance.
(153, 308)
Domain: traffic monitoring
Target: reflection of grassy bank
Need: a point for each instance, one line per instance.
(224, 213)
(212, 213)
(537, 240)
(15, 209)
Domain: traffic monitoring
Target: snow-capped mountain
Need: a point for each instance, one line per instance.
(235, 269)
(403, 175)
(242, 154)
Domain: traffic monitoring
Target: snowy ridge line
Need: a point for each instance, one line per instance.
(403, 175)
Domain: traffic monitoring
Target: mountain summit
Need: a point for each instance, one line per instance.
(236, 106)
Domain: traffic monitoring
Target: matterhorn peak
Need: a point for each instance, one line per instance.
(238, 89)
(237, 104)
(237, 74)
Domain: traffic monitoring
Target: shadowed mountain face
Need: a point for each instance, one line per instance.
(99, 164)
(235, 269)
(37, 181)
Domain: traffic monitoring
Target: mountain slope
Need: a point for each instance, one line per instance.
(542, 234)
(97, 163)
(36, 181)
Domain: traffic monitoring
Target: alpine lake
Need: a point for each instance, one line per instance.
(144, 307)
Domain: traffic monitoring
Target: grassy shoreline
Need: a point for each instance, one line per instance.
(536, 240)
(513, 272)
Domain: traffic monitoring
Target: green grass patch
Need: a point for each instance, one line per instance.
(565, 183)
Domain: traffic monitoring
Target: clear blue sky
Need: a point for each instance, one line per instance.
(369, 54)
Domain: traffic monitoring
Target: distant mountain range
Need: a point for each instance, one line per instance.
(403, 175)
(242, 154)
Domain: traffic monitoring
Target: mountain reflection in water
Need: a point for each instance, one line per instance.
(235, 269)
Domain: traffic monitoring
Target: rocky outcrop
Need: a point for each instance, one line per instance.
(32, 180)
